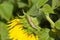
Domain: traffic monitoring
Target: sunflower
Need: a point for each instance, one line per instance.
(17, 32)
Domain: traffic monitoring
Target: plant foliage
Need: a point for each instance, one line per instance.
(38, 17)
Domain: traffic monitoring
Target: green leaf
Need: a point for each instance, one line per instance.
(44, 35)
(3, 31)
(55, 4)
(47, 9)
(36, 6)
(34, 1)
(13, 1)
(0, 1)
(6, 10)
(57, 24)
(21, 5)
(35, 21)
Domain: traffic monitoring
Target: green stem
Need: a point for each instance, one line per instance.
(50, 20)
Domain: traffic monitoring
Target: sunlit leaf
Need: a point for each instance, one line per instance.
(6, 10)
(47, 9)
(55, 3)
(36, 6)
(57, 24)
(34, 19)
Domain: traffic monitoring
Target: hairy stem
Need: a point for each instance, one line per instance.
(51, 22)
